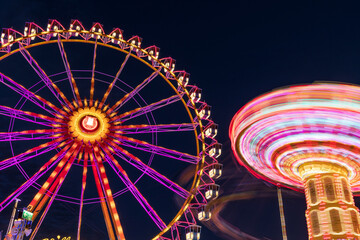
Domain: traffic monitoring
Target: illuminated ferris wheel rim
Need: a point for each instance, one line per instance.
(131, 47)
(277, 132)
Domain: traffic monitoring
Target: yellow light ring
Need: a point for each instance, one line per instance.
(78, 133)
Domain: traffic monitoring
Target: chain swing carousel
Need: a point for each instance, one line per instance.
(307, 138)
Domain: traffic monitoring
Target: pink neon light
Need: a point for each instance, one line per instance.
(276, 132)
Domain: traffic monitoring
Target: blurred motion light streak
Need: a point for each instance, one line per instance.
(307, 138)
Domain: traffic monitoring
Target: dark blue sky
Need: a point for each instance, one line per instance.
(235, 51)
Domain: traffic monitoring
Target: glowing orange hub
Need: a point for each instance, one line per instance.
(89, 125)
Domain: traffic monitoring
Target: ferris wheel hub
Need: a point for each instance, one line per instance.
(88, 125)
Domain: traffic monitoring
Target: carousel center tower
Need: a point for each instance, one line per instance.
(307, 138)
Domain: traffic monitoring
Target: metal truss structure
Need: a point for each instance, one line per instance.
(84, 131)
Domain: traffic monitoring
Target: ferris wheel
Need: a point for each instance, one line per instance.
(88, 112)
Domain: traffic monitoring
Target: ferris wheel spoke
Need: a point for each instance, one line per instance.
(55, 192)
(137, 163)
(114, 164)
(48, 187)
(93, 75)
(143, 128)
(29, 116)
(37, 100)
(29, 135)
(83, 186)
(114, 81)
(148, 147)
(31, 153)
(72, 82)
(146, 109)
(135, 91)
(23, 172)
(106, 206)
(43, 76)
(109, 197)
(31, 180)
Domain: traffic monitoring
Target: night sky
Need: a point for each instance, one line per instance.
(234, 51)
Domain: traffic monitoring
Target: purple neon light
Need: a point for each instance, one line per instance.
(117, 76)
(47, 166)
(18, 136)
(28, 155)
(61, 181)
(98, 172)
(149, 108)
(23, 172)
(121, 153)
(27, 94)
(139, 197)
(147, 147)
(136, 129)
(136, 90)
(41, 73)
(19, 114)
(83, 186)
(67, 66)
